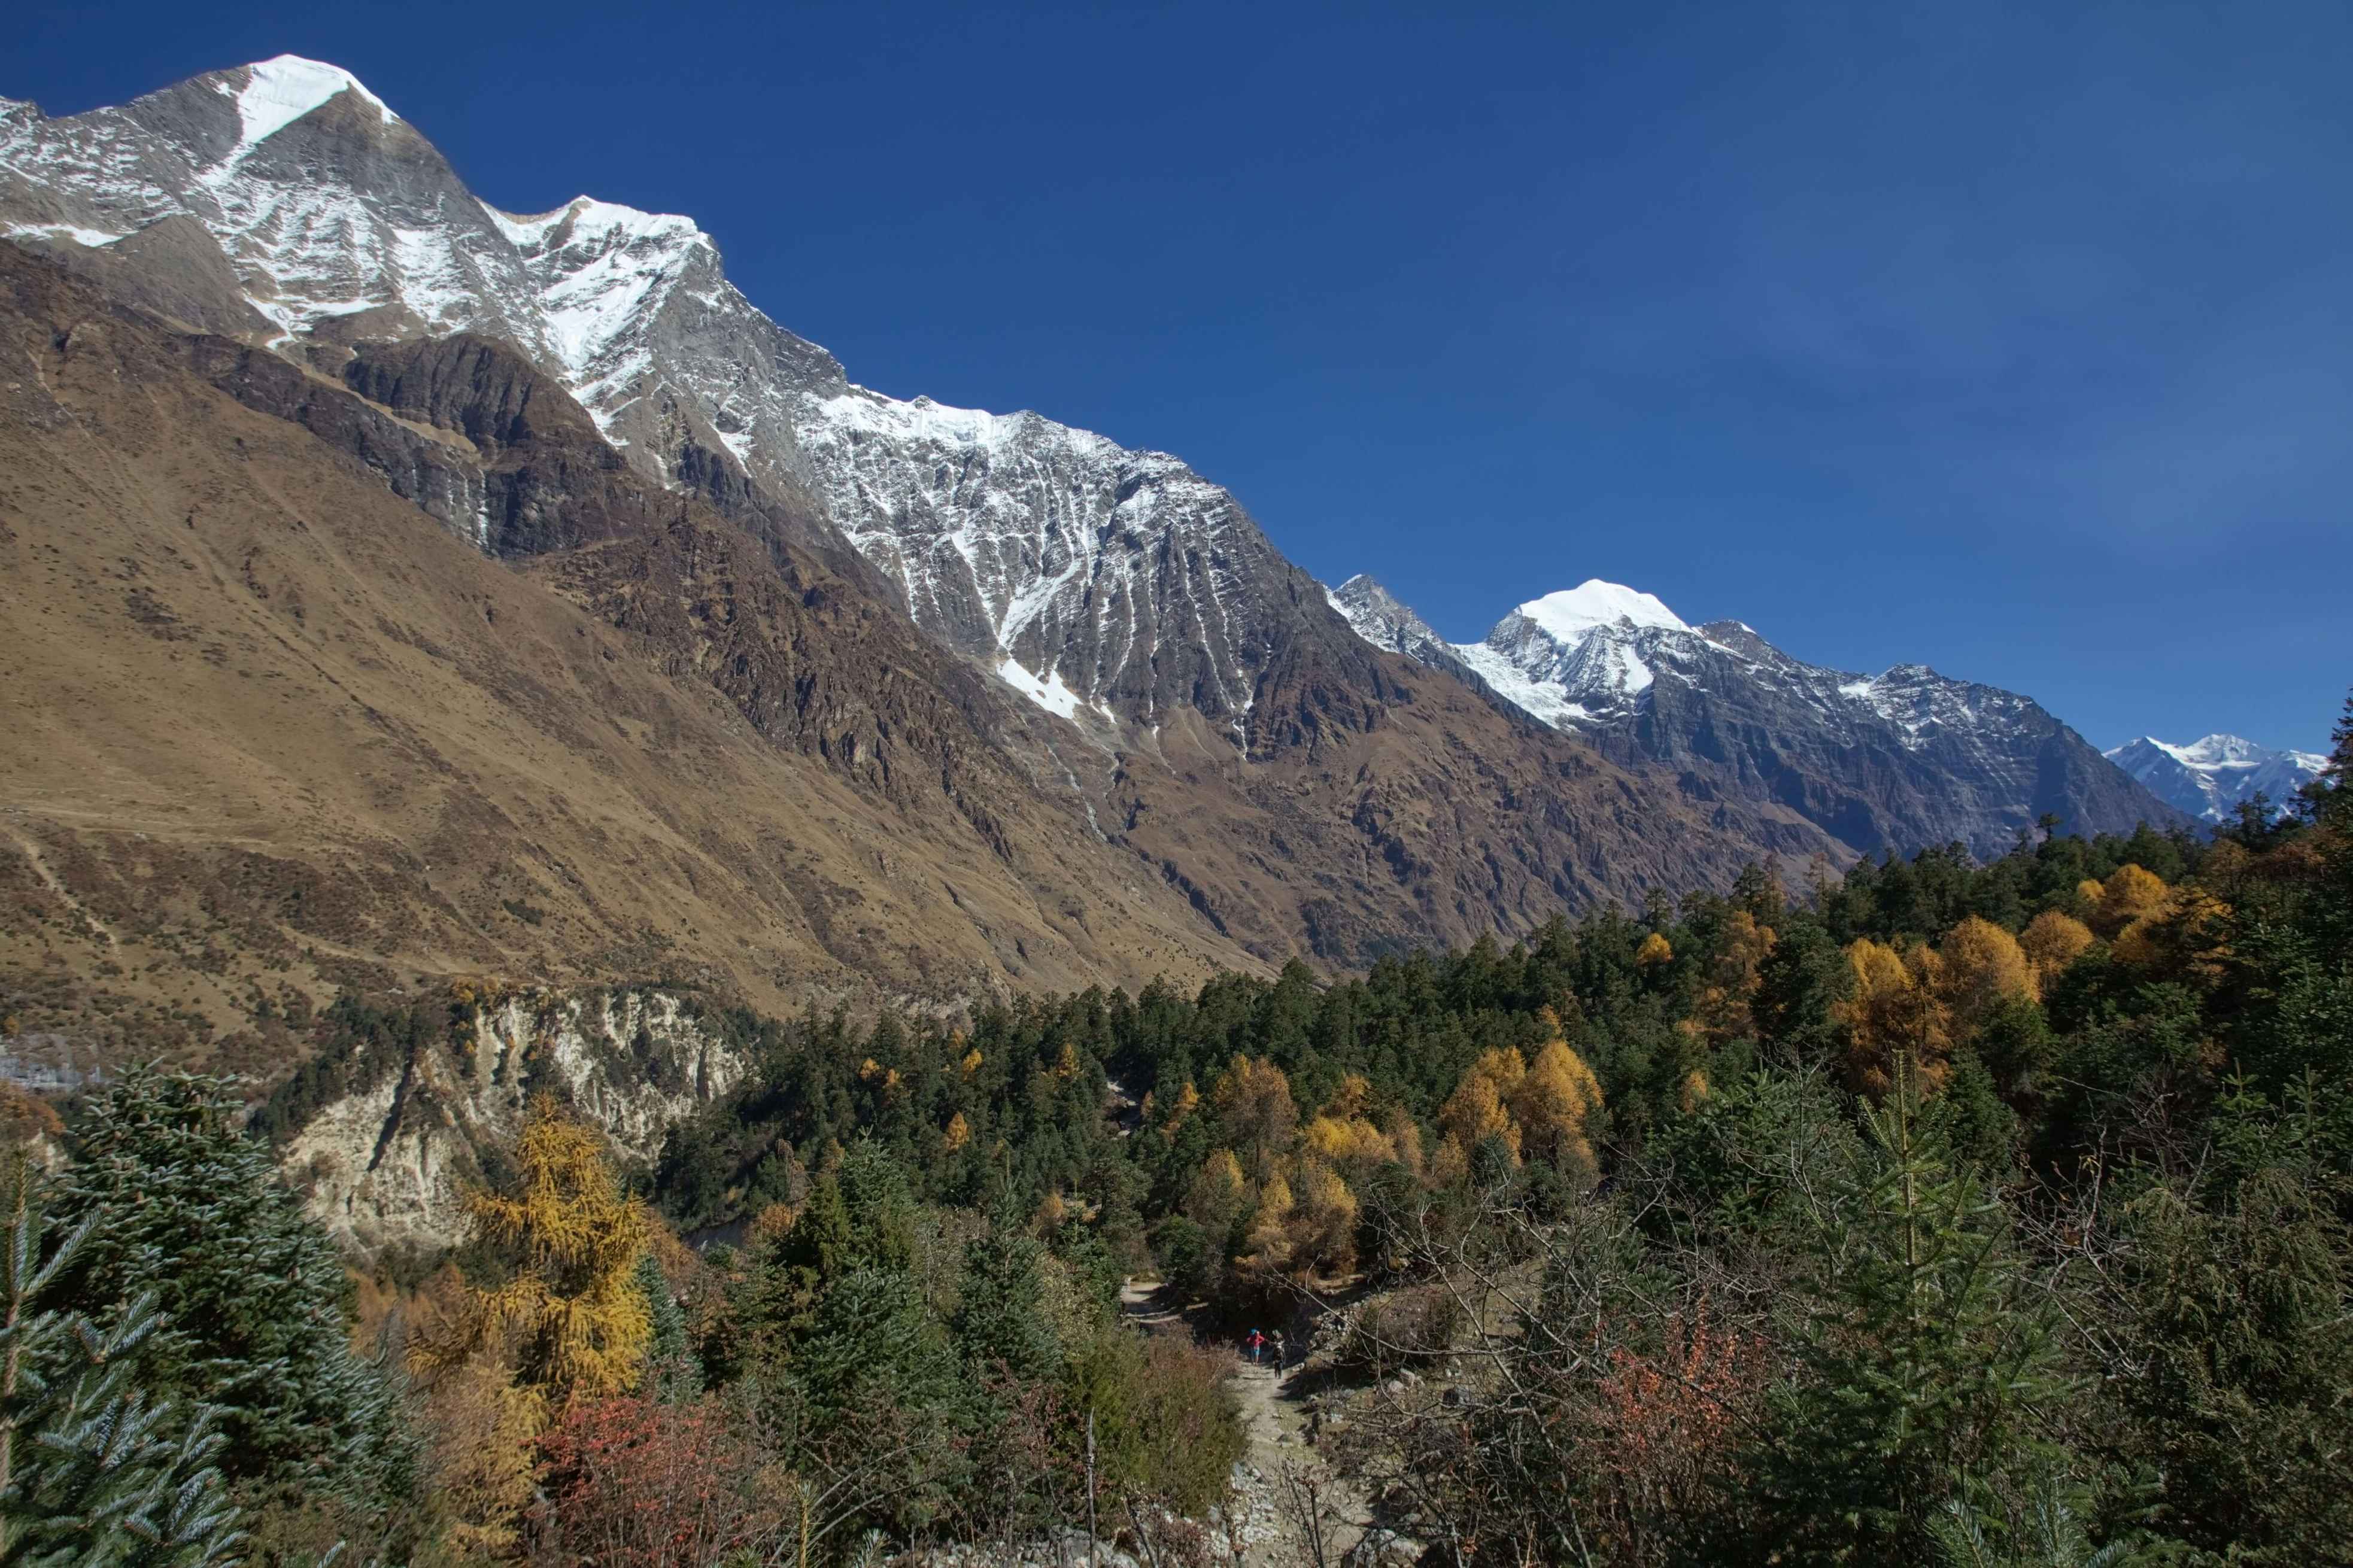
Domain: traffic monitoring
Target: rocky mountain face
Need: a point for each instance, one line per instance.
(415, 591)
(1897, 761)
(278, 721)
(2211, 778)
(1098, 580)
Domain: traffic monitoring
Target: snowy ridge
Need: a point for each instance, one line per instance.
(277, 92)
(1013, 533)
(1119, 578)
(1902, 759)
(1588, 656)
(2212, 777)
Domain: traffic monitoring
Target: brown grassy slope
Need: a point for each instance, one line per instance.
(269, 725)
(1387, 804)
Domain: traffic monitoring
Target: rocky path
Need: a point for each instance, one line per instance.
(1279, 1480)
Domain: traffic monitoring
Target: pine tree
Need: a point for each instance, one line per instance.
(672, 1375)
(93, 1472)
(999, 1324)
(182, 1203)
(1926, 1360)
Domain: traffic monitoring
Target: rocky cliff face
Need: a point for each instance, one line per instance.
(1097, 581)
(1898, 761)
(390, 1161)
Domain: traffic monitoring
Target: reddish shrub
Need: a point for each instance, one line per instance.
(629, 1483)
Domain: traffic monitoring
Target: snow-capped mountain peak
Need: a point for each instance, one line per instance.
(275, 93)
(1120, 576)
(1567, 615)
(1906, 756)
(2213, 775)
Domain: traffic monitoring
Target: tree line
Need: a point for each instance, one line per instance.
(1940, 1210)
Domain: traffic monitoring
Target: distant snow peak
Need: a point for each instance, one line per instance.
(2213, 775)
(277, 92)
(1567, 615)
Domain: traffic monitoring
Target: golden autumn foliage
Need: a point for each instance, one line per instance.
(479, 1456)
(1341, 1143)
(2186, 938)
(957, 1134)
(2051, 942)
(1654, 951)
(971, 1063)
(27, 1119)
(1321, 1234)
(1694, 1091)
(769, 1225)
(1722, 1011)
(1476, 1110)
(1353, 1098)
(1405, 1141)
(1984, 967)
(1894, 1011)
(1253, 1104)
(1217, 1192)
(1188, 1100)
(1553, 1102)
(572, 1310)
(1267, 1244)
(2128, 894)
(1052, 1211)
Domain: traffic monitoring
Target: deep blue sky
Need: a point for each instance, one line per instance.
(2014, 340)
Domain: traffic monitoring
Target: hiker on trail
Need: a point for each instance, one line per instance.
(1255, 1344)
(1282, 1350)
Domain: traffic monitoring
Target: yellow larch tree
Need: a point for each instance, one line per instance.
(573, 1313)
(1477, 1110)
(2052, 940)
(1984, 968)
(1352, 1142)
(2187, 937)
(1722, 1011)
(1353, 1100)
(1217, 1192)
(1322, 1229)
(479, 1451)
(1404, 1134)
(1266, 1246)
(2129, 893)
(1188, 1100)
(1655, 951)
(1553, 1102)
(1254, 1105)
(1894, 1012)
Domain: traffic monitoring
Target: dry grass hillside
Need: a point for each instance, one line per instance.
(271, 730)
